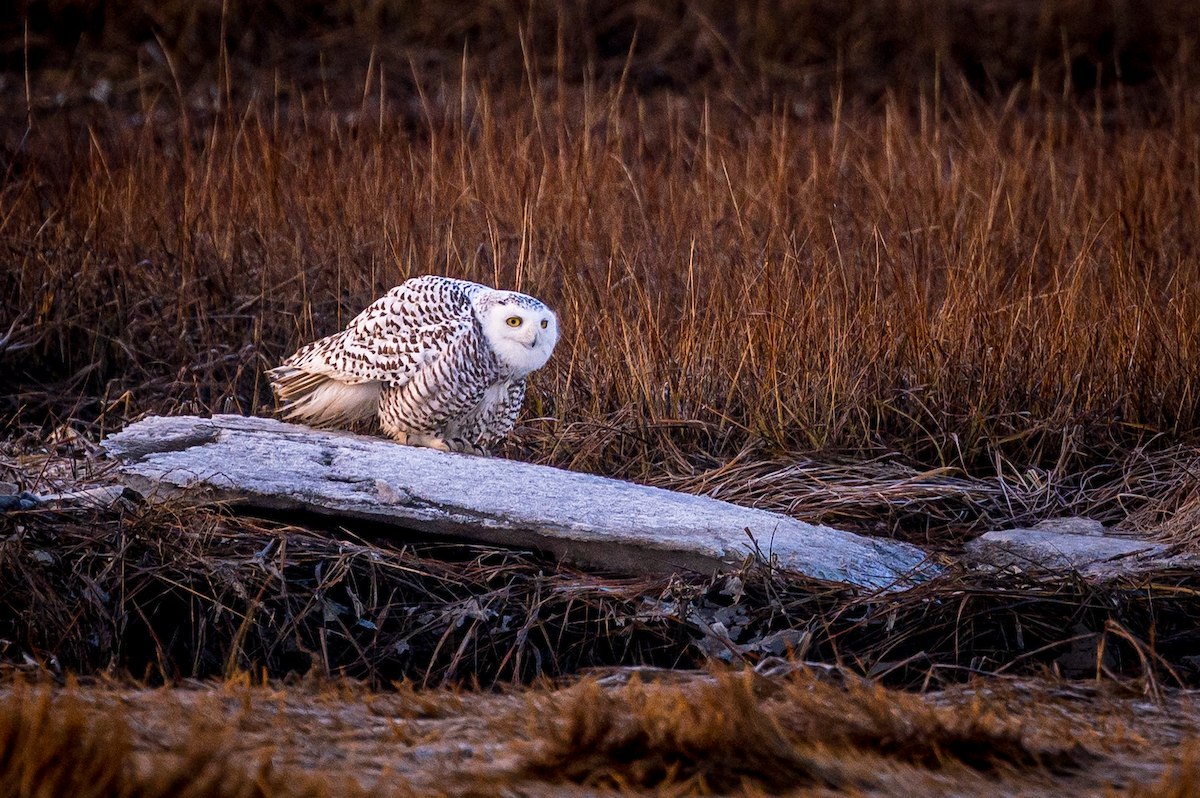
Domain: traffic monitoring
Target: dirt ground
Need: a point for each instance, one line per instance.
(1081, 739)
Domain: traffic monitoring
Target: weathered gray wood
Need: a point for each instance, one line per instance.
(1070, 544)
(581, 518)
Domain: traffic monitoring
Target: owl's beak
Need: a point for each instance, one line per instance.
(533, 343)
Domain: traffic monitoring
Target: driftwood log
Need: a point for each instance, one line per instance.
(582, 519)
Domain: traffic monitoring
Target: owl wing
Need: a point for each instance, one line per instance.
(385, 345)
(396, 335)
(505, 415)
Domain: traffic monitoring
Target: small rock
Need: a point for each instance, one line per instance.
(102, 496)
(1085, 656)
(389, 495)
(1073, 525)
(21, 501)
(1040, 549)
(778, 643)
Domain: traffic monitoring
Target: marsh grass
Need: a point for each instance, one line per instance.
(716, 736)
(55, 745)
(970, 286)
(914, 291)
(1004, 290)
(700, 734)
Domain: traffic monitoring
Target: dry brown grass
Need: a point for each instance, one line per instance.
(720, 735)
(782, 241)
(981, 732)
(904, 307)
(1181, 781)
(974, 286)
(692, 733)
(166, 593)
(709, 738)
(53, 746)
(1000, 290)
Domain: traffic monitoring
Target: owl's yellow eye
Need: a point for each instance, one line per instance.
(545, 324)
(514, 321)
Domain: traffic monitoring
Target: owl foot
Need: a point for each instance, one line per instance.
(466, 447)
(460, 445)
(428, 441)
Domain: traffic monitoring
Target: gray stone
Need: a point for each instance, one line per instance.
(18, 501)
(1072, 526)
(1045, 549)
(580, 518)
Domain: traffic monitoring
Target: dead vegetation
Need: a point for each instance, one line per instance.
(683, 734)
(1000, 288)
(54, 746)
(808, 49)
(996, 296)
(718, 735)
(713, 738)
(166, 593)
(1181, 781)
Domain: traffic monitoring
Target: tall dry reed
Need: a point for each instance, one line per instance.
(967, 283)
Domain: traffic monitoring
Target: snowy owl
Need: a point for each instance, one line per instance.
(443, 362)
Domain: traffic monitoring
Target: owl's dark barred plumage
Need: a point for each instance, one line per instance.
(442, 362)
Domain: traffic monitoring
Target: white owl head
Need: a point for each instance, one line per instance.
(521, 329)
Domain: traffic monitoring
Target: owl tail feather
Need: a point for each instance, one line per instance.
(321, 400)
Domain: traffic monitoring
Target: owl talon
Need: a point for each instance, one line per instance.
(429, 442)
(466, 447)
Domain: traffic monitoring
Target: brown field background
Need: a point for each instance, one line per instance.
(697, 734)
(964, 252)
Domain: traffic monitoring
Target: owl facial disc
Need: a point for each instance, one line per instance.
(521, 329)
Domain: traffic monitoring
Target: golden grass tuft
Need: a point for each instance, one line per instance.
(708, 738)
(50, 745)
(979, 733)
(719, 735)
(1179, 781)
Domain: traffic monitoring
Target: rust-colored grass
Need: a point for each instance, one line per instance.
(1180, 781)
(692, 733)
(709, 738)
(720, 735)
(986, 287)
(919, 288)
(976, 283)
(53, 746)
